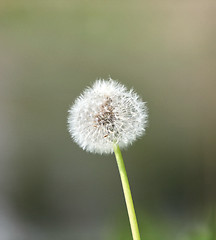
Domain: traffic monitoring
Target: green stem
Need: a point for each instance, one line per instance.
(127, 193)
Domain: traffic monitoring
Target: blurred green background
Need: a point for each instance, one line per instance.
(49, 52)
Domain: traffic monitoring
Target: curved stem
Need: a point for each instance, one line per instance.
(127, 193)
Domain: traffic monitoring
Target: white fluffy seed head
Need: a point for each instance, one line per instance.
(105, 114)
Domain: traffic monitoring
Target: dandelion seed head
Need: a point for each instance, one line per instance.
(104, 114)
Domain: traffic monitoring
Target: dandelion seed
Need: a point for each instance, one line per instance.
(104, 114)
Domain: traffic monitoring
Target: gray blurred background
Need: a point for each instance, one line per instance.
(49, 52)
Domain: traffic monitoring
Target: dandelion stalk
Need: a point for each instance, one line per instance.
(127, 193)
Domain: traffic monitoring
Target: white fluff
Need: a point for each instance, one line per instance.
(104, 114)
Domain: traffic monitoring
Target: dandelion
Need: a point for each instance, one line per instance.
(106, 118)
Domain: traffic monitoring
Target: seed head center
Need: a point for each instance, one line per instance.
(105, 117)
